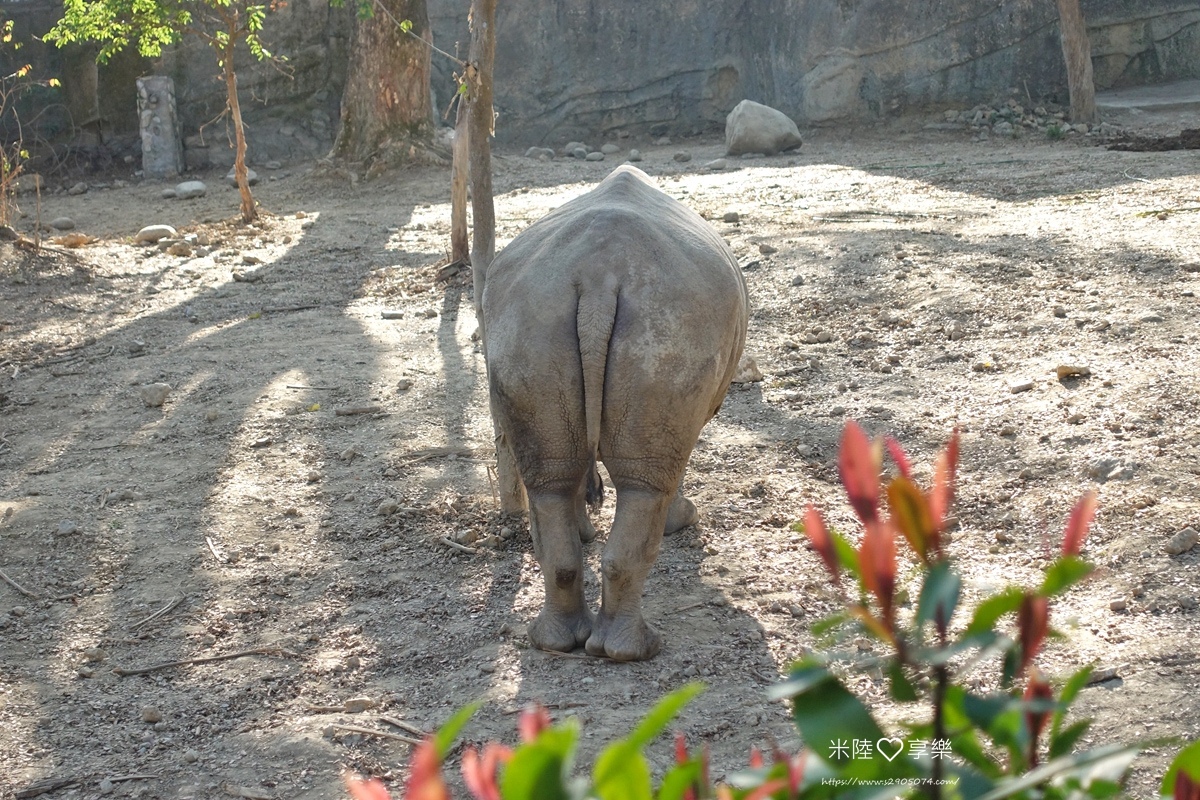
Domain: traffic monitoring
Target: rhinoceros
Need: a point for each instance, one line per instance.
(612, 328)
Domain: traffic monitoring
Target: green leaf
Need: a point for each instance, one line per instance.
(828, 715)
(626, 774)
(443, 740)
(901, 689)
(939, 595)
(824, 626)
(989, 612)
(1069, 691)
(1108, 758)
(1062, 741)
(406, 25)
(1188, 760)
(1064, 573)
(846, 554)
(539, 769)
(661, 715)
(679, 779)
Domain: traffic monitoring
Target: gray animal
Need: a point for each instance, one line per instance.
(612, 328)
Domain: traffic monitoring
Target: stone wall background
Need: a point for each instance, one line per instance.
(582, 68)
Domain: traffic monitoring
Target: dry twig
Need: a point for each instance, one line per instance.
(19, 587)
(404, 726)
(257, 651)
(372, 732)
(453, 545)
(164, 610)
(352, 411)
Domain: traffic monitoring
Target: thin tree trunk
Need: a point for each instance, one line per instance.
(459, 242)
(483, 239)
(249, 212)
(1077, 51)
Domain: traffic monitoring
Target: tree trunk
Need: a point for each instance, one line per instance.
(483, 211)
(249, 211)
(459, 244)
(387, 115)
(1077, 51)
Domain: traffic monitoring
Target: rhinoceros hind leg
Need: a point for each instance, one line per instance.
(681, 514)
(565, 621)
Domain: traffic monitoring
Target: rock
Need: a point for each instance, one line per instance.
(540, 153)
(1181, 542)
(152, 233)
(1151, 318)
(731, 216)
(1107, 469)
(662, 141)
(66, 528)
(403, 385)
(1118, 605)
(154, 394)
(392, 315)
(595, 156)
(682, 156)
(467, 536)
(747, 371)
(1022, 386)
(387, 508)
(609, 149)
(94, 654)
(754, 128)
(251, 177)
(837, 411)
(767, 250)
(580, 153)
(429, 313)
(191, 756)
(167, 194)
(717, 164)
(78, 188)
(151, 715)
(273, 165)
(180, 249)
(189, 189)
(106, 786)
(1071, 371)
(357, 705)
(62, 223)
(635, 155)
(571, 147)
(955, 331)
(27, 184)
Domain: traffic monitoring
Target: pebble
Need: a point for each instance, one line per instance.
(94, 654)
(429, 313)
(189, 189)
(747, 371)
(182, 249)
(467, 536)
(540, 153)
(167, 194)
(18, 611)
(403, 385)
(797, 280)
(1023, 386)
(662, 141)
(78, 188)
(106, 786)
(955, 331)
(595, 156)
(1118, 605)
(153, 233)
(154, 394)
(191, 756)
(251, 177)
(1181, 542)
(273, 165)
(66, 528)
(392, 314)
(85, 672)
(609, 149)
(682, 156)
(1060, 311)
(387, 508)
(731, 216)
(635, 155)
(357, 705)
(151, 715)
(1103, 674)
(580, 153)
(717, 164)
(767, 250)
(62, 223)
(837, 411)
(1151, 318)
(506, 533)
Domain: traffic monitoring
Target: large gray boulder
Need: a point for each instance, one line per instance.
(754, 128)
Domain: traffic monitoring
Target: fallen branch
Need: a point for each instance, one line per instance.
(164, 610)
(46, 785)
(246, 792)
(286, 309)
(402, 725)
(453, 545)
(257, 651)
(19, 587)
(352, 411)
(372, 732)
(212, 546)
(314, 388)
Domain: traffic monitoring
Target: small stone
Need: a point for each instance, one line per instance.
(716, 165)
(662, 141)
(731, 216)
(540, 153)
(797, 280)
(837, 411)
(1118, 605)
(1022, 386)
(151, 715)
(154, 394)
(167, 194)
(78, 188)
(682, 156)
(747, 371)
(251, 261)
(262, 441)
(251, 177)
(955, 331)
(182, 249)
(106, 786)
(391, 314)
(1181, 542)
(153, 233)
(94, 654)
(1103, 674)
(429, 313)
(18, 611)
(1151, 318)
(357, 705)
(211, 415)
(403, 385)
(595, 156)
(387, 508)
(580, 153)
(191, 756)
(62, 223)
(66, 528)
(1060, 311)
(635, 155)
(506, 533)
(467, 536)
(767, 250)
(313, 476)
(273, 165)
(609, 149)
(85, 672)
(190, 189)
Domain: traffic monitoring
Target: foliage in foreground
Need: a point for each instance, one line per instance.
(1010, 741)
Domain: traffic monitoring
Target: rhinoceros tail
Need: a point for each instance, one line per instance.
(594, 320)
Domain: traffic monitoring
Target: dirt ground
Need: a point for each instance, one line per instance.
(911, 279)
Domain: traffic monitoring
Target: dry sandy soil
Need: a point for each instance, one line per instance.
(917, 278)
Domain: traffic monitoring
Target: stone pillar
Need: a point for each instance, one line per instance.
(162, 149)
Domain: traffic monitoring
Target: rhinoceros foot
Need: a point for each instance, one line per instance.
(560, 632)
(623, 638)
(681, 514)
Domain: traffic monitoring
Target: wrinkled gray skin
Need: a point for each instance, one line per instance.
(612, 328)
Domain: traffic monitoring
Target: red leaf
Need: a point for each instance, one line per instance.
(534, 719)
(795, 773)
(1185, 787)
(897, 454)
(1078, 524)
(681, 755)
(766, 790)
(480, 774)
(425, 774)
(1037, 689)
(858, 466)
(822, 542)
(372, 789)
(911, 514)
(1033, 621)
(877, 560)
(942, 496)
(756, 758)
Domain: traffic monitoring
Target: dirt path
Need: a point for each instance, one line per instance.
(910, 280)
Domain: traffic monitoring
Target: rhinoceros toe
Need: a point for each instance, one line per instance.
(560, 632)
(624, 638)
